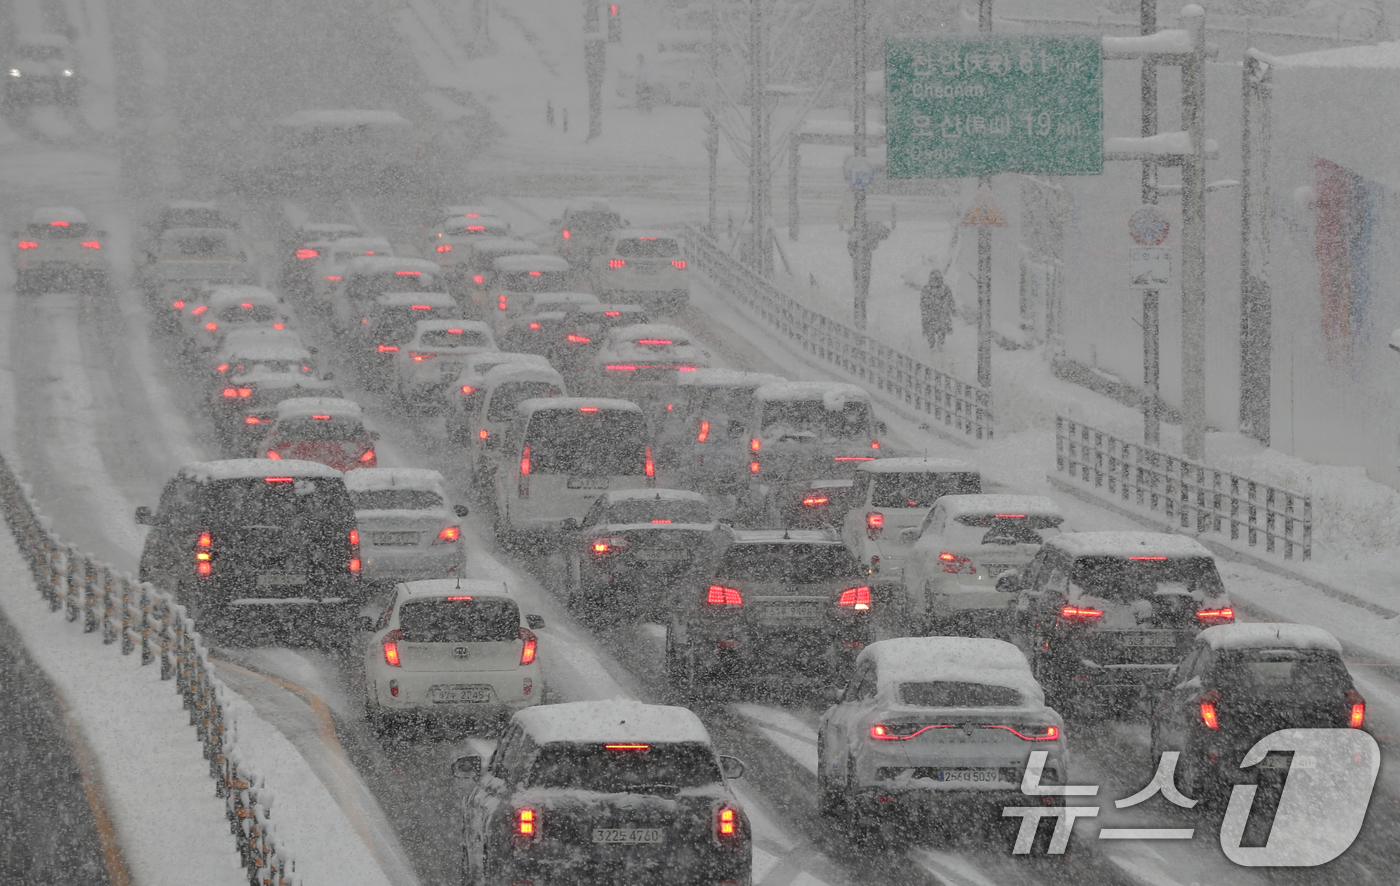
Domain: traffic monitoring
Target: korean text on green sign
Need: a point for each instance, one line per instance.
(979, 105)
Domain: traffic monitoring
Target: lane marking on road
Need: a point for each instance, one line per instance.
(949, 868)
(1141, 873)
(117, 872)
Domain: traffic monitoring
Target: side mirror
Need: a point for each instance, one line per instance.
(909, 535)
(366, 623)
(732, 767)
(881, 428)
(460, 510)
(374, 435)
(329, 376)
(144, 516)
(467, 767)
(832, 694)
(534, 622)
(569, 525)
(312, 350)
(1010, 582)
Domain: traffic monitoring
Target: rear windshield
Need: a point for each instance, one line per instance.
(450, 338)
(1126, 580)
(194, 218)
(396, 325)
(507, 395)
(653, 511)
(254, 314)
(1283, 673)
(606, 442)
(397, 281)
(1004, 529)
(319, 503)
(950, 694)
(608, 318)
(533, 281)
(59, 232)
(298, 367)
(488, 620)
(396, 500)
(795, 563)
(594, 222)
(197, 246)
(592, 767)
(851, 421)
(38, 52)
(921, 489)
(705, 402)
(321, 429)
(647, 247)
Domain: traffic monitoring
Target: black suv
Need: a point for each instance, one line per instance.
(267, 535)
(1105, 616)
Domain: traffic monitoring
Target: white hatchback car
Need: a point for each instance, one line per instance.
(646, 358)
(407, 530)
(426, 366)
(926, 723)
(451, 648)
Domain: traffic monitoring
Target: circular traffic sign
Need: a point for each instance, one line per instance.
(1148, 226)
(859, 172)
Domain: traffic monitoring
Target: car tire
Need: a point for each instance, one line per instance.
(374, 715)
(830, 799)
(859, 824)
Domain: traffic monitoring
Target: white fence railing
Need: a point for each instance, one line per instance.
(951, 406)
(1185, 493)
(138, 615)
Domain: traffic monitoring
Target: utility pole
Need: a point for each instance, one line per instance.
(859, 240)
(595, 57)
(984, 251)
(758, 141)
(712, 122)
(1193, 228)
(1151, 341)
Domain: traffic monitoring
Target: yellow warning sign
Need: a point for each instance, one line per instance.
(984, 213)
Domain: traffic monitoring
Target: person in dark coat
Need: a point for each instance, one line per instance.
(936, 310)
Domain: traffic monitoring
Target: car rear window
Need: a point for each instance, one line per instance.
(727, 402)
(254, 314)
(653, 511)
(291, 503)
(59, 232)
(449, 338)
(951, 694)
(396, 500)
(607, 442)
(1282, 673)
(594, 222)
(507, 395)
(197, 246)
(647, 247)
(532, 281)
(484, 620)
(318, 430)
(921, 489)
(851, 421)
(396, 325)
(652, 768)
(993, 529)
(788, 562)
(394, 281)
(1125, 580)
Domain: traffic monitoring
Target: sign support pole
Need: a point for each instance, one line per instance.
(1193, 230)
(860, 240)
(984, 251)
(1151, 363)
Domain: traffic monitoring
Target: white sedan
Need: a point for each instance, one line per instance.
(646, 358)
(427, 366)
(407, 530)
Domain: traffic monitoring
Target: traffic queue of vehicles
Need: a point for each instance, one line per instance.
(762, 522)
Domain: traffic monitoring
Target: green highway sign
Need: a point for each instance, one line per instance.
(983, 104)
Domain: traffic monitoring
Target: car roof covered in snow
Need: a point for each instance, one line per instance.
(249, 468)
(227, 294)
(1128, 544)
(654, 331)
(349, 117)
(409, 299)
(615, 720)
(451, 587)
(563, 404)
(828, 392)
(383, 264)
(1268, 635)
(514, 264)
(44, 215)
(272, 379)
(617, 495)
(980, 505)
(903, 465)
(725, 378)
(305, 407)
(377, 479)
(952, 659)
(461, 224)
(503, 373)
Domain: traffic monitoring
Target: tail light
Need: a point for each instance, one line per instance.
(419, 358)
(565, 232)
(607, 545)
(444, 247)
(307, 253)
(28, 244)
(199, 310)
(1357, 717)
(874, 524)
(274, 455)
(448, 535)
(728, 825)
(856, 599)
(527, 825)
(1030, 733)
(522, 488)
(720, 597)
(92, 244)
(179, 305)
(204, 555)
(368, 457)
(902, 731)
(578, 339)
(1222, 616)
(814, 501)
(650, 468)
(501, 302)
(704, 432)
(678, 264)
(527, 651)
(534, 325)
(388, 349)
(355, 552)
(1208, 715)
(753, 467)
(621, 367)
(211, 326)
(252, 420)
(616, 263)
(333, 279)
(391, 648)
(483, 434)
(1080, 614)
(874, 444)
(959, 565)
(754, 445)
(478, 279)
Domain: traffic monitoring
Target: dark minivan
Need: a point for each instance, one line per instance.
(256, 536)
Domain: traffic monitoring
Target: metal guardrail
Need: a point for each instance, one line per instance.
(1186, 493)
(139, 615)
(955, 406)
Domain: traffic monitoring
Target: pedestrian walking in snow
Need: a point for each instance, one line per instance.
(936, 310)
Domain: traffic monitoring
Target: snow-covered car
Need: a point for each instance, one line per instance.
(787, 604)
(189, 214)
(539, 331)
(244, 350)
(322, 429)
(407, 530)
(927, 725)
(644, 362)
(389, 325)
(482, 406)
(1240, 683)
(303, 245)
(584, 230)
(218, 311)
(451, 241)
(604, 792)
(58, 248)
(39, 67)
(1106, 616)
(648, 268)
(583, 330)
(328, 267)
(951, 562)
(517, 280)
(631, 547)
(703, 435)
(456, 648)
(185, 258)
(894, 494)
(365, 278)
(245, 404)
(426, 366)
(560, 454)
(474, 271)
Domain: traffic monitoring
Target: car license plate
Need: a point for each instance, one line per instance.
(789, 611)
(1134, 639)
(459, 694)
(588, 482)
(272, 579)
(390, 539)
(969, 776)
(629, 836)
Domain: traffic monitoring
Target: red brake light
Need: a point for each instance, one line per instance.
(92, 244)
(179, 304)
(754, 444)
(753, 467)
(501, 302)
(903, 731)
(211, 326)
(59, 224)
(454, 332)
(421, 307)
(565, 232)
(408, 273)
(459, 599)
(483, 433)
(468, 389)
(448, 535)
(612, 313)
(616, 263)
(321, 417)
(874, 444)
(536, 273)
(252, 420)
(661, 521)
(391, 648)
(650, 466)
(444, 247)
(419, 358)
(704, 431)
(1222, 616)
(1080, 614)
(307, 253)
(355, 549)
(1010, 516)
(527, 824)
(525, 461)
(654, 341)
(534, 325)
(274, 455)
(1147, 558)
(857, 599)
(815, 501)
(333, 279)
(277, 479)
(28, 244)
(388, 349)
(726, 823)
(578, 339)
(588, 409)
(527, 651)
(368, 456)
(627, 746)
(874, 523)
(956, 565)
(230, 392)
(621, 367)
(678, 264)
(204, 554)
(720, 597)
(1357, 717)
(199, 310)
(1208, 715)
(855, 458)
(607, 545)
